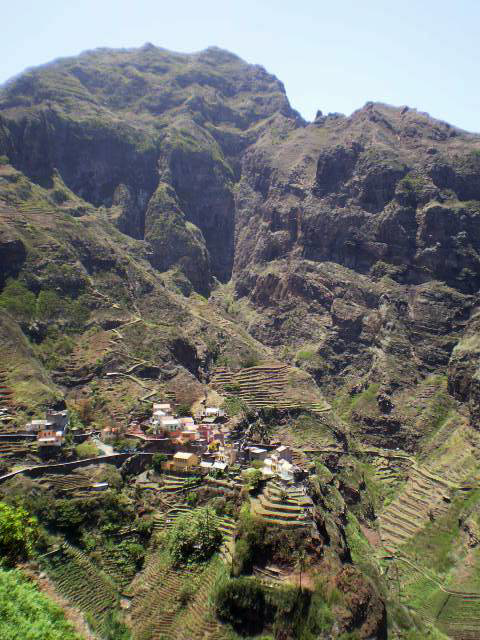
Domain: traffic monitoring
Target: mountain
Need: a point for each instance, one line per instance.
(167, 219)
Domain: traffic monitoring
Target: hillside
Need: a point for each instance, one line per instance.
(171, 227)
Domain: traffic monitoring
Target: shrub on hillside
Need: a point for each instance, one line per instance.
(241, 603)
(25, 613)
(18, 533)
(184, 409)
(18, 300)
(253, 479)
(157, 460)
(86, 450)
(194, 537)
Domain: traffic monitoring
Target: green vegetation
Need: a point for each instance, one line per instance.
(251, 608)
(157, 460)
(64, 312)
(253, 478)
(364, 401)
(250, 360)
(241, 603)
(194, 537)
(18, 533)
(18, 300)
(26, 614)
(114, 628)
(87, 450)
(234, 406)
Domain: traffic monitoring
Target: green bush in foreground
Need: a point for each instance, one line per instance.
(18, 532)
(26, 614)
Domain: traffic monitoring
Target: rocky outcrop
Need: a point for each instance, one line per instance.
(354, 240)
(120, 125)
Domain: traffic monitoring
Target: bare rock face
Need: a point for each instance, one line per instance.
(119, 124)
(463, 372)
(354, 239)
(365, 610)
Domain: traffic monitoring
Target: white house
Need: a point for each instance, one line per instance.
(286, 470)
(274, 465)
(257, 453)
(39, 425)
(169, 423)
(165, 407)
(214, 412)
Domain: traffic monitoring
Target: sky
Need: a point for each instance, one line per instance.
(330, 55)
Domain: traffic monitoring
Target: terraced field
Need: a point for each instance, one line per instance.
(6, 394)
(79, 580)
(226, 525)
(263, 387)
(157, 611)
(423, 499)
(12, 449)
(290, 511)
(198, 621)
(68, 483)
(155, 602)
(455, 612)
(386, 472)
(459, 616)
(173, 482)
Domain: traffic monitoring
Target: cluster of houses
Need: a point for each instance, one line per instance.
(195, 442)
(205, 443)
(51, 431)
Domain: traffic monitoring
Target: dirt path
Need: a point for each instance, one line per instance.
(72, 614)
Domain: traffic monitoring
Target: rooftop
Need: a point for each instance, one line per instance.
(183, 455)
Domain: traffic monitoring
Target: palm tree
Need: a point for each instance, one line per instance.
(301, 563)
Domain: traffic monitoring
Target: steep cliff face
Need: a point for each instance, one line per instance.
(117, 125)
(354, 240)
(357, 244)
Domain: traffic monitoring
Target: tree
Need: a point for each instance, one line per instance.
(18, 533)
(301, 563)
(157, 460)
(86, 450)
(27, 613)
(195, 536)
(241, 602)
(184, 409)
(68, 515)
(254, 477)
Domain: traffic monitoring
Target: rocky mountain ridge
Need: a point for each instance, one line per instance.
(171, 228)
(354, 239)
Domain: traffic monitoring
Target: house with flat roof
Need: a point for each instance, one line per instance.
(182, 461)
(50, 438)
(284, 452)
(257, 453)
(162, 406)
(38, 425)
(169, 423)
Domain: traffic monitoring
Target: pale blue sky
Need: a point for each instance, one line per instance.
(331, 55)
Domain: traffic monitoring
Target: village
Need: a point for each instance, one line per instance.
(207, 444)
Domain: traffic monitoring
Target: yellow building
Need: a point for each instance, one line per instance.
(182, 461)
